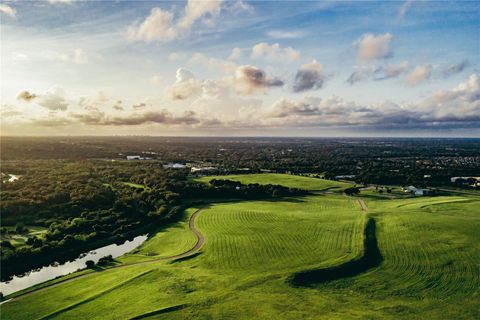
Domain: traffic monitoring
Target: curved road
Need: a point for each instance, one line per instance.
(195, 248)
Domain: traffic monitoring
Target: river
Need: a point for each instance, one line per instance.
(53, 271)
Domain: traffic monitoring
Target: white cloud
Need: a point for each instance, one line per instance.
(235, 54)
(196, 9)
(404, 8)
(285, 34)
(274, 52)
(156, 80)
(176, 56)
(8, 10)
(185, 87)
(212, 63)
(241, 6)
(419, 75)
(157, 26)
(160, 25)
(78, 56)
(372, 47)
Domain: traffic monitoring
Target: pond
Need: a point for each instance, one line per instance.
(53, 271)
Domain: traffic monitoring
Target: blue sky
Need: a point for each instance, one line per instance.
(314, 68)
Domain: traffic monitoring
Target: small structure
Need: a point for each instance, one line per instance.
(416, 191)
(137, 158)
(346, 177)
(174, 166)
(202, 169)
(134, 158)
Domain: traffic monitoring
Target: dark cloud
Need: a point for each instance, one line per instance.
(454, 68)
(162, 117)
(139, 105)
(308, 77)
(26, 96)
(378, 73)
(249, 79)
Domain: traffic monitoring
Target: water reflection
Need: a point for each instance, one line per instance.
(55, 270)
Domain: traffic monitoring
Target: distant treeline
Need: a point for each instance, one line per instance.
(399, 161)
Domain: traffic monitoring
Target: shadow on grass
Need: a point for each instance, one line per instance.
(371, 258)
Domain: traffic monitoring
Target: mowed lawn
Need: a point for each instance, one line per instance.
(292, 181)
(430, 269)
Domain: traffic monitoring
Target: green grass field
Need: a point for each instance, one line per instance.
(430, 247)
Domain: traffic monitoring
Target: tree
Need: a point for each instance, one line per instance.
(90, 264)
(352, 191)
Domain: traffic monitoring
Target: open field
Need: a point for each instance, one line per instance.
(430, 249)
(19, 239)
(292, 181)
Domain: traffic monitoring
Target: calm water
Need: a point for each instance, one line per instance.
(51, 272)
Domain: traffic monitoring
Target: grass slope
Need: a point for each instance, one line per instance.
(430, 247)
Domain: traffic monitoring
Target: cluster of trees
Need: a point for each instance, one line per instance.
(223, 188)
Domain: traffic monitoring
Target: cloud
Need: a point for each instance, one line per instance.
(53, 99)
(26, 96)
(195, 9)
(374, 47)
(60, 1)
(286, 34)
(157, 26)
(156, 80)
(8, 10)
(185, 86)
(390, 71)
(456, 108)
(241, 6)
(139, 105)
(454, 68)
(160, 25)
(419, 75)
(378, 73)
(402, 10)
(212, 63)
(235, 54)
(176, 56)
(274, 52)
(161, 117)
(249, 79)
(309, 77)
(78, 56)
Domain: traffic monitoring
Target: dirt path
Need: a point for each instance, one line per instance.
(363, 205)
(195, 248)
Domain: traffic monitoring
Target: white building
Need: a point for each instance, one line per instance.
(416, 191)
(174, 166)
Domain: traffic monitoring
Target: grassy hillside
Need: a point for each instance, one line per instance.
(292, 181)
(430, 248)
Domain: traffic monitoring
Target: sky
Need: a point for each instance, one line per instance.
(240, 68)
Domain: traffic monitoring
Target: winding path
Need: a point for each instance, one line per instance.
(189, 252)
